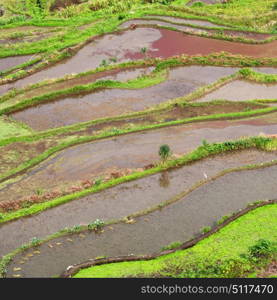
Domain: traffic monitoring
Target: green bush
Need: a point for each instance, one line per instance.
(164, 152)
(261, 249)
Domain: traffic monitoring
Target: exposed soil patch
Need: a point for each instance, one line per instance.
(177, 222)
(113, 102)
(58, 4)
(240, 90)
(15, 154)
(269, 271)
(130, 151)
(204, 1)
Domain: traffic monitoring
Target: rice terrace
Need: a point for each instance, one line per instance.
(138, 138)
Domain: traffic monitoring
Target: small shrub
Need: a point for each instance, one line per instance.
(222, 220)
(171, 246)
(35, 241)
(206, 229)
(164, 152)
(98, 182)
(245, 71)
(198, 4)
(262, 248)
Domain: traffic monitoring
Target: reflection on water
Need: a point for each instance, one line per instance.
(164, 179)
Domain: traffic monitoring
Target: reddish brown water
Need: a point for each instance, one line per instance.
(176, 43)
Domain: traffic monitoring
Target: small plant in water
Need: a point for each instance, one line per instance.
(113, 59)
(206, 229)
(98, 181)
(35, 241)
(104, 63)
(96, 225)
(76, 228)
(172, 246)
(144, 51)
(39, 192)
(164, 152)
(205, 143)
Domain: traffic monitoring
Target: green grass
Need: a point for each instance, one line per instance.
(216, 256)
(10, 128)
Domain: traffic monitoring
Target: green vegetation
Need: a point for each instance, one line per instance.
(9, 128)
(164, 152)
(215, 256)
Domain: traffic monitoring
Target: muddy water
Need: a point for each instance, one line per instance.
(266, 70)
(186, 21)
(130, 151)
(127, 46)
(92, 55)
(181, 43)
(9, 62)
(240, 90)
(123, 200)
(177, 222)
(112, 102)
(116, 74)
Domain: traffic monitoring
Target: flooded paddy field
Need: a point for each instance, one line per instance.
(10, 62)
(177, 222)
(240, 90)
(134, 150)
(125, 199)
(128, 45)
(111, 102)
(116, 75)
